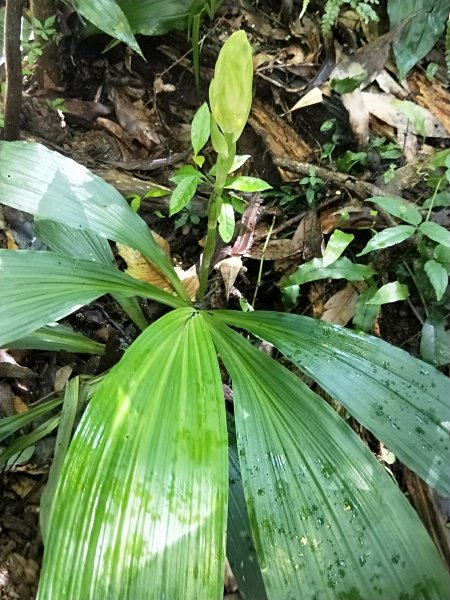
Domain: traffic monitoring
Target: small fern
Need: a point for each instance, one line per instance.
(363, 9)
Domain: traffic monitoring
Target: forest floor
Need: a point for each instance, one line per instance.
(128, 120)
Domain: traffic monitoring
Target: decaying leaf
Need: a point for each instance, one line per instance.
(138, 120)
(368, 60)
(10, 368)
(62, 377)
(139, 268)
(159, 86)
(405, 116)
(279, 137)
(340, 308)
(433, 96)
(229, 268)
(314, 96)
(189, 279)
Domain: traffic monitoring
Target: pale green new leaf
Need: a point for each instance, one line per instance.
(108, 17)
(436, 232)
(398, 207)
(327, 519)
(337, 243)
(140, 511)
(226, 222)
(438, 276)
(390, 292)
(342, 268)
(402, 400)
(388, 237)
(58, 337)
(40, 287)
(200, 128)
(50, 186)
(243, 183)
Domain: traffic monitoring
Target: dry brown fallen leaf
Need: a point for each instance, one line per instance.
(404, 115)
(139, 268)
(138, 120)
(340, 308)
(229, 269)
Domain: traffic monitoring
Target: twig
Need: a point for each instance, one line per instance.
(361, 189)
(261, 262)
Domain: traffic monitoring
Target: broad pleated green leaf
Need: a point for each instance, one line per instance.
(109, 17)
(82, 243)
(402, 400)
(50, 186)
(327, 519)
(58, 337)
(38, 287)
(140, 512)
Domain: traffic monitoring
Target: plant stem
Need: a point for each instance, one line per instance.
(223, 165)
(210, 245)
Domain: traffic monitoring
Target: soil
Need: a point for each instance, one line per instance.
(165, 85)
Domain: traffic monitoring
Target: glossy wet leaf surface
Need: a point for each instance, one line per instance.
(402, 400)
(141, 508)
(327, 519)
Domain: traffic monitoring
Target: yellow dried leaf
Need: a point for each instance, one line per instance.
(139, 267)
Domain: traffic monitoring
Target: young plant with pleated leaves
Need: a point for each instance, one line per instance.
(140, 504)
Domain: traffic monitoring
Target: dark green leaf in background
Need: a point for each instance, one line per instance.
(156, 17)
(438, 276)
(421, 34)
(342, 268)
(57, 337)
(398, 207)
(108, 17)
(388, 237)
